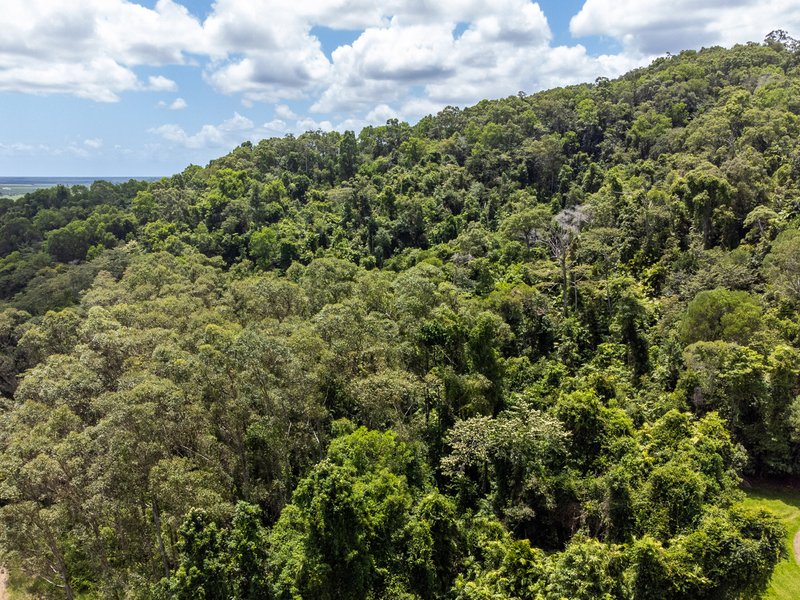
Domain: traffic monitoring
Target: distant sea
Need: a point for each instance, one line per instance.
(17, 186)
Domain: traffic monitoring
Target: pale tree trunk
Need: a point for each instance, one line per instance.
(159, 537)
(60, 566)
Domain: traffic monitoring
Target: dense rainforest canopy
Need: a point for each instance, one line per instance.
(527, 349)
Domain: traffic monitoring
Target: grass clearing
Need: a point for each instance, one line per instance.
(784, 501)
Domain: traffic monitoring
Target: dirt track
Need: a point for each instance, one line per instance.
(796, 549)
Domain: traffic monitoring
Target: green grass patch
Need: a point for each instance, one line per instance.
(784, 502)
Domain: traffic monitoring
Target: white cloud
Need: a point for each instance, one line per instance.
(416, 68)
(403, 45)
(229, 133)
(159, 83)
(386, 63)
(309, 124)
(380, 114)
(177, 104)
(265, 49)
(659, 26)
(100, 80)
(412, 109)
(276, 127)
(411, 56)
(284, 112)
(16, 148)
(89, 48)
(74, 148)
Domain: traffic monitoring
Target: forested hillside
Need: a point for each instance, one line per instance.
(527, 349)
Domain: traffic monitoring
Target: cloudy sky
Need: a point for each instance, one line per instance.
(146, 87)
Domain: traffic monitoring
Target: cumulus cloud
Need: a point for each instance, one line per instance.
(409, 56)
(90, 48)
(264, 59)
(100, 79)
(419, 68)
(93, 143)
(276, 127)
(381, 114)
(402, 45)
(659, 26)
(159, 83)
(284, 112)
(177, 104)
(309, 124)
(227, 134)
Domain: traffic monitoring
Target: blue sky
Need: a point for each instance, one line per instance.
(119, 87)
